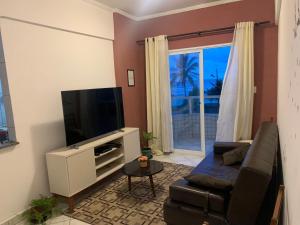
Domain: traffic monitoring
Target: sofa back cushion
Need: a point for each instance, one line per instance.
(254, 177)
(205, 180)
(235, 156)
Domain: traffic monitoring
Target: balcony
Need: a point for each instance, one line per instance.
(186, 121)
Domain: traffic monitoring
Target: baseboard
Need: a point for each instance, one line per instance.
(16, 219)
(20, 220)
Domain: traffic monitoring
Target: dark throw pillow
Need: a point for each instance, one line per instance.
(236, 155)
(208, 181)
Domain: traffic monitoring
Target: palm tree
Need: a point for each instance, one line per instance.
(216, 85)
(185, 70)
(216, 88)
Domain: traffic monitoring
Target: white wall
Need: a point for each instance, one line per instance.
(289, 105)
(40, 62)
(75, 15)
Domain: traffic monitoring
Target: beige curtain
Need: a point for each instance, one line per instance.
(236, 101)
(159, 120)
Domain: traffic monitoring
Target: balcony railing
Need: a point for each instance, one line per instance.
(3, 123)
(191, 104)
(186, 120)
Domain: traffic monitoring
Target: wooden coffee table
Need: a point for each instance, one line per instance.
(133, 169)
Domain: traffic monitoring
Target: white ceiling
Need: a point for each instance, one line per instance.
(153, 8)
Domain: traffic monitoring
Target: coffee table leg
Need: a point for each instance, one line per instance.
(129, 183)
(152, 185)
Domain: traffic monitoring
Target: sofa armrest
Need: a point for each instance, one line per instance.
(181, 191)
(222, 147)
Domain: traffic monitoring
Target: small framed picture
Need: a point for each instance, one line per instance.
(130, 76)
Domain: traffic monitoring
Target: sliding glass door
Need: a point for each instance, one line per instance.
(196, 82)
(187, 97)
(215, 60)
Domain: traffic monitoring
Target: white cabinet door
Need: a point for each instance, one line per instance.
(58, 174)
(132, 148)
(82, 172)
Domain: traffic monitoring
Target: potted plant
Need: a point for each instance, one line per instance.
(147, 151)
(41, 210)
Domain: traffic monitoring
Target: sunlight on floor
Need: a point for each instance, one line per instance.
(185, 158)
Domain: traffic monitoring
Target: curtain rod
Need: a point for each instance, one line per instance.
(224, 30)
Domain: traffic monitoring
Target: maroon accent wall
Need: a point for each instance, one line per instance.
(130, 55)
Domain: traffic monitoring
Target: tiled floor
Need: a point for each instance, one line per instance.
(65, 220)
(193, 143)
(60, 220)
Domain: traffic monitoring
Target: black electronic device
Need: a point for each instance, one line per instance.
(106, 147)
(92, 113)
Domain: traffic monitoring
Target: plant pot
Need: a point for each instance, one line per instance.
(43, 215)
(42, 221)
(35, 221)
(143, 164)
(147, 152)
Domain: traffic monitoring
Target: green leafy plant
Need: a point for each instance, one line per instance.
(148, 136)
(147, 151)
(41, 210)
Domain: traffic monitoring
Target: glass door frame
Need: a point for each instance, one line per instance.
(201, 87)
(201, 80)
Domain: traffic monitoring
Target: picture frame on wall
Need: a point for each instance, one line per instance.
(131, 78)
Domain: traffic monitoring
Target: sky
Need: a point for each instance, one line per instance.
(215, 62)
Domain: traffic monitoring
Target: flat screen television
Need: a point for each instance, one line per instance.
(91, 113)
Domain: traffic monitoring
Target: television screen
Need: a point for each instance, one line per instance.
(91, 113)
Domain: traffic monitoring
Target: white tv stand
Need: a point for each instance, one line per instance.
(72, 170)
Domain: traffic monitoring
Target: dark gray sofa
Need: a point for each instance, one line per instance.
(193, 205)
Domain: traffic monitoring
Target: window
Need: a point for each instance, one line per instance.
(7, 129)
(196, 77)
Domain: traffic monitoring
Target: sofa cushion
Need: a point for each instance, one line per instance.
(213, 166)
(204, 198)
(236, 155)
(222, 147)
(210, 199)
(209, 181)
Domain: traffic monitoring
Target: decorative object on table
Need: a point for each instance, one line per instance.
(143, 160)
(130, 77)
(147, 151)
(41, 210)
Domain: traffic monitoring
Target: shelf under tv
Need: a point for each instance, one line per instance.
(108, 171)
(106, 153)
(108, 161)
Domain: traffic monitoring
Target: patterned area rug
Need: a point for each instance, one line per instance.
(112, 204)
